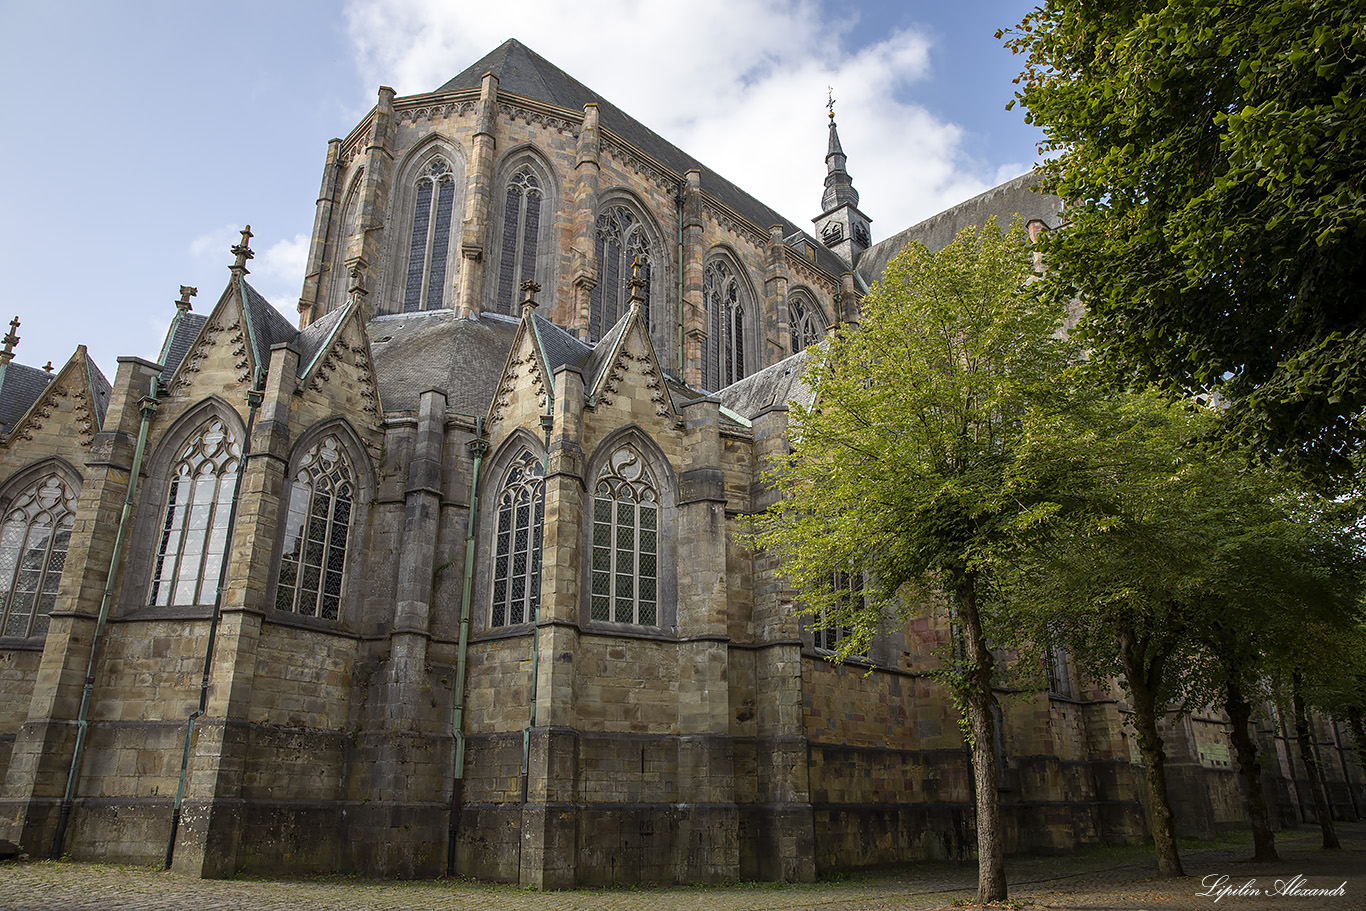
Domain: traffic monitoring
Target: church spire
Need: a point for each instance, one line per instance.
(839, 186)
(841, 226)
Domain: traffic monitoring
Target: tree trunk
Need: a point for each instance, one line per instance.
(980, 700)
(1143, 675)
(1311, 766)
(1239, 713)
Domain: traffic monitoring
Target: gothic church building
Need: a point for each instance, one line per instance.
(449, 575)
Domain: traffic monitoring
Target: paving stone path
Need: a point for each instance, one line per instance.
(1119, 880)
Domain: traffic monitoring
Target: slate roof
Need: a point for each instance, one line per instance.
(521, 71)
(560, 347)
(777, 384)
(20, 387)
(313, 338)
(938, 231)
(100, 387)
(414, 352)
(184, 330)
(267, 326)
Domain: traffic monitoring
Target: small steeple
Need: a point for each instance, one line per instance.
(839, 186)
(7, 353)
(840, 226)
(243, 253)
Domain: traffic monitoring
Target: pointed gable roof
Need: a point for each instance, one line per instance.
(521, 71)
(185, 328)
(266, 326)
(20, 387)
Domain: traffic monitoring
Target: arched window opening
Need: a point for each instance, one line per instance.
(621, 240)
(194, 530)
(33, 543)
(724, 357)
(317, 529)
(1059, 671)
(806, 325)
(625, 573)
(429, 246)
(829, 628)
(517, 543)
(521, 227)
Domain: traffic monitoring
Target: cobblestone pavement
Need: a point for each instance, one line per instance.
(1104, 880)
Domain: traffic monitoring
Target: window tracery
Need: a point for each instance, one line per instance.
(828, 628)
(522, 212)
(317, 530)
(625, 568)
(723, 360)
(807, 327)
(194, 528)
(517, 539)
(621, 239)
(33, 544)
(430, 242)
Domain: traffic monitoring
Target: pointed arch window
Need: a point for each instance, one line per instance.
(430, 243)
(832, 625)
(517, 543)
(723, 358)
(807, 327)
(317, 530)
(522, 209)
(33, 543)
(621, 240)
(194, 528)
(625, 573)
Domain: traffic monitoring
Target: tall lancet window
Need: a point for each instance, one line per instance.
(33, 542)
(521, 229)
(625, 574)
(807, 327)
(621, 240)
(723, 360)
(194, 529)
(517, 543)
(430, 244)
(317, 529)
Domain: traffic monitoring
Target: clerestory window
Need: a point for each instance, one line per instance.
(723, 358)
(430, 243)
(194, 527)
(621, 240)
(517, 537)
(33, 543)
(625, 570)
(522, 212)
(317, 530)
(807, 327)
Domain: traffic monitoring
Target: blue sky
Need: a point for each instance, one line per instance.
(140, 137)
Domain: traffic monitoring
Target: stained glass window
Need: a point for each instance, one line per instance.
(621, 240)
(807, 327)
(194, 530)
(33, 543)
(317, 529)
(430, 243)
(517, 543)
(625, 571)
(521, 227)
(723, 357)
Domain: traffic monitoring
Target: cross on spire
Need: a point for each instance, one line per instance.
(243, 252)
(830, 101)
(7, 354)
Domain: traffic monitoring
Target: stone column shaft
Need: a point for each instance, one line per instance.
(310, 297)
(583, 259)
(478, 190)
(695, 326)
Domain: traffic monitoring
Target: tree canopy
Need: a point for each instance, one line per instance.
(1212, 154)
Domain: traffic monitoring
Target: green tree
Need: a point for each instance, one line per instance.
(906, 469)
(1213, 156)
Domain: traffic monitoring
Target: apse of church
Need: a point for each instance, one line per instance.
(450, 576)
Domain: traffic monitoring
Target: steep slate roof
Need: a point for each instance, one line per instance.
(100, 387)
(414, 352)
(266, 326)
(938, 231)
(20, 387)
(184, 330)
(774, 385)
(521, 71)
(313, 338)
(560, 347)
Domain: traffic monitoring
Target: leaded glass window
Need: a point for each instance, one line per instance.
(430, 243)
(33, 543)
(317, 529)
(832, 625)
(194, 530)
(806, 326)
(1059, 671)
(517, 543)
(723, 358)
(625, 573)
(621, 240)
(521, 226)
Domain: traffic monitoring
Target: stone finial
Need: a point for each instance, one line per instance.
(637, 286)
(48, 368)
(243, 252)
(529, 288)
(355, 288)
(186, 292)
(7, 353)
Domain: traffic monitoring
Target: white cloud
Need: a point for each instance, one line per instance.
(740, 84)
(216, 243)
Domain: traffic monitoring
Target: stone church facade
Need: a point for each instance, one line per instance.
(486, 605)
